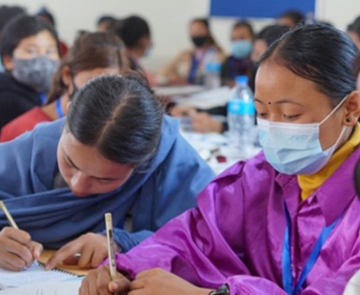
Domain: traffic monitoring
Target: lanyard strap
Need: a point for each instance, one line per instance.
(286, 256)
(59, 109)
(195, 65)
(43, 98)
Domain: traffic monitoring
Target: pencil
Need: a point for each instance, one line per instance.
(8, 215)
(110, 242)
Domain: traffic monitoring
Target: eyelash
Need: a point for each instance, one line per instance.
(291, 117)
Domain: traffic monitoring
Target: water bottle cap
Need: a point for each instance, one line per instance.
(213, 67)
(243, 80)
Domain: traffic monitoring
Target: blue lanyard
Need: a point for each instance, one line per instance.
(59, 109)
(43, 98)
(286, 256)
(195, 65)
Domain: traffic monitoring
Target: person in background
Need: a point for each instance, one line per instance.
(29, 48)
(238, 63)
(105, 23)
(265, 38)
(7, 13)
(93, 54)
(190, 66)
(48, 17)
(114, 152)
(203, 121)
(286, 221)
(353, 31)
(135, 32)
(292, 18)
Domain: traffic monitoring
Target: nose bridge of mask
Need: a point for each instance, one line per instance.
(334, 110)
(288, 135)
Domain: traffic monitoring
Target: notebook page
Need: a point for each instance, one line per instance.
(49, 288)
(34, 274)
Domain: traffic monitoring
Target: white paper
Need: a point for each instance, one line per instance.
(49, 288)
(35, 274)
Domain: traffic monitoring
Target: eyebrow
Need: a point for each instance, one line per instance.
(280, 101)
(100, 178)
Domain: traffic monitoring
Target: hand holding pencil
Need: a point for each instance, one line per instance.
(17, 250)
(106, 280)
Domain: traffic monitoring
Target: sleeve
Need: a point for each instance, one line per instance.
(202, 245)
(126, 240)
(248, 285)
(15, 159)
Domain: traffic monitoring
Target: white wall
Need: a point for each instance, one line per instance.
(168, 18)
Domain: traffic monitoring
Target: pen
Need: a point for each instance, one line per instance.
(111, 248)
(8, 215)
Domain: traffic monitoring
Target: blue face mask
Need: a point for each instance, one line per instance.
(296, 148)
(241, 48)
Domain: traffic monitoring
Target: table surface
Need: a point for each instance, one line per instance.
(211, 146)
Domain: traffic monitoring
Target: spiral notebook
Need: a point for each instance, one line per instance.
(34, 274)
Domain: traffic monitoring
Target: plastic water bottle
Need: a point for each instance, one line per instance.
(212, 74)
(241, 115)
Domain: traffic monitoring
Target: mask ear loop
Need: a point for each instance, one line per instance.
(334, 110)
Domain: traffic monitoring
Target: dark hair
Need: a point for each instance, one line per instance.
(105, 18)
(206, 24)
(7, 13)
(131, 30)
(21, 27)
(45, 13)
(318, 53)
(120, 116)
(271, 33)
(90, 51)
(245, 24)
(296, 16)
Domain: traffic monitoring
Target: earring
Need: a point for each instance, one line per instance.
(348, 120)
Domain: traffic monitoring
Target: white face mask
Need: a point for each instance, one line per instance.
(296, 148)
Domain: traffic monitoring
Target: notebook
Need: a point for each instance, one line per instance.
(49, 288)
(34, 274)
(45, 256)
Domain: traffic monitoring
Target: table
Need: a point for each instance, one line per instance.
(217, 151)
(195, 96)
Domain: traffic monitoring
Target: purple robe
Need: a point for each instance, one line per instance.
(236, 233)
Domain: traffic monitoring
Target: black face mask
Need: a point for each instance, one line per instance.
(200, 41)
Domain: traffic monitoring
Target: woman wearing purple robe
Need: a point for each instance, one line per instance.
(284, 222)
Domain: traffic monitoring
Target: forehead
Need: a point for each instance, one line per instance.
(80, 155)
(196, 27)
(275, 82)
(41, 39)
(241, 31)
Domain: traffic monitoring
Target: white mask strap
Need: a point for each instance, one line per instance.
(334, 110)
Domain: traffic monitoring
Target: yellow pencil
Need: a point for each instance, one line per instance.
(8, 215)
(110, 241)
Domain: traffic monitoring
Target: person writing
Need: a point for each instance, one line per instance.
(114, 152)
(286, 221)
